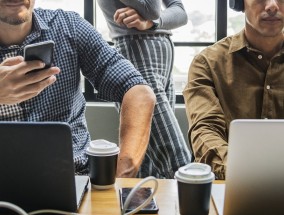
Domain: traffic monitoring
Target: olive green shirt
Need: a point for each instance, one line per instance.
(226, 81)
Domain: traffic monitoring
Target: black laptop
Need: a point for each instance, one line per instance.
(37, 168)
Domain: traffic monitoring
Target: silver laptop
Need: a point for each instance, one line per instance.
(37, 168)
(255, 168)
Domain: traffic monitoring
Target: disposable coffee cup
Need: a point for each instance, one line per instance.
(194, 183)
(102, 156)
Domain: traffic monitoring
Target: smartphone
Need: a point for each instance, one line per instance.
(40, 51)
(138, 198)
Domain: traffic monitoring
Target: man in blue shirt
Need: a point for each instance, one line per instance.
(54, 94)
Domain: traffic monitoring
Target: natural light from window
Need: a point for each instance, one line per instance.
(200, 28)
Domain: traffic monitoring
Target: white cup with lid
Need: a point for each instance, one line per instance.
(102, 147)
(194, 183)
(102, 156)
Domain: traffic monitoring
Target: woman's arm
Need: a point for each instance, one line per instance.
(148, 9)
(173, 16)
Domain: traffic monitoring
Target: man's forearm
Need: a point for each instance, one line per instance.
(135, 125)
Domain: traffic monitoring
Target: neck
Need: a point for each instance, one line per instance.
(14, 34)
(269, 46)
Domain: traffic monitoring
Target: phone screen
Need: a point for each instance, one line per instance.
(138, 198)
(40, 51)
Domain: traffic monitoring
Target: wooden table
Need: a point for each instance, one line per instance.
(106, 202)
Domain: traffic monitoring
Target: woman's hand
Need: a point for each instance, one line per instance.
(131, 19)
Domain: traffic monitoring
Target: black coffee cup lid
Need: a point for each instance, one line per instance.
(195, 173)
(102, 147)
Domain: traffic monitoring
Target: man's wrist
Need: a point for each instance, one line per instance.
(126, 168)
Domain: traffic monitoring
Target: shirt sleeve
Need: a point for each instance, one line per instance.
(173, 16)
(208, 131)
(148, 9)
(109, 72)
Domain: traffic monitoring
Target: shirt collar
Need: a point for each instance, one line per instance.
(238, 42)
(38, 26)
(39, 23)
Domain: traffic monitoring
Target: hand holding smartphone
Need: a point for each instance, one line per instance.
(138, 198)
(40, 51)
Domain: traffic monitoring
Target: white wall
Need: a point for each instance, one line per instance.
(103, 120)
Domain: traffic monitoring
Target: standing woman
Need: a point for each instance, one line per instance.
(140, 30)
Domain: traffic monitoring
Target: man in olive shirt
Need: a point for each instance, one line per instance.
(239, 77)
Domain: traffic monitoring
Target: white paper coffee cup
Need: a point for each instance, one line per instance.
(102, 147)
(194, 183)
(195, 173)
(102, 156)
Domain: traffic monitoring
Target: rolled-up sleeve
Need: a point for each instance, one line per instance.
(109, 72)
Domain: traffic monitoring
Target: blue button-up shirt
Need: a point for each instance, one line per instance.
(78, 48)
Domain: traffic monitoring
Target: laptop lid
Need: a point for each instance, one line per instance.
(36, 166)
(255, 175)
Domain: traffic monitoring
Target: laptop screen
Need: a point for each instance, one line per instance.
(255, 176)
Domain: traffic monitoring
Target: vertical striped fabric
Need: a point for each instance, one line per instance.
(152, 56)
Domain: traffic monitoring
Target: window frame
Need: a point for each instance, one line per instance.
(221, 32)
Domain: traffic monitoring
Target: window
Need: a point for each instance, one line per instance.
(73, 5)
(205, 26)
(199, 29)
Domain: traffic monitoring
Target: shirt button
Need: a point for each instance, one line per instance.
(268, 87)
(259, 56)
